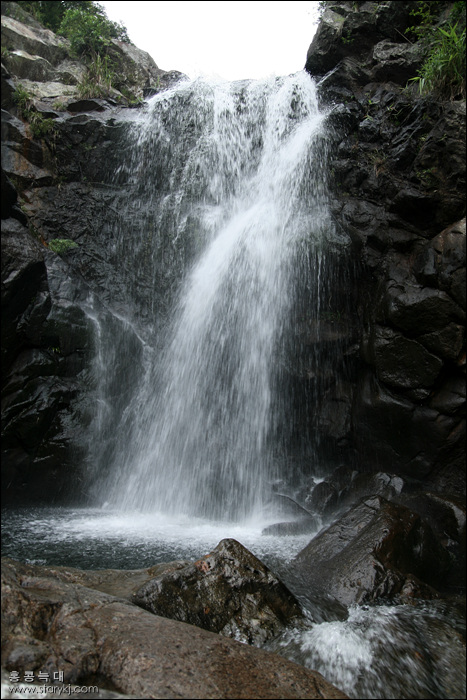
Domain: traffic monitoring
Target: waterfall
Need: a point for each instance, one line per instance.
(228, 187)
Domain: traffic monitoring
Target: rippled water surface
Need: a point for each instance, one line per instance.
(96, 538)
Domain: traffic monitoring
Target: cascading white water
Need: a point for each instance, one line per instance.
(244, 171)
(223, 198)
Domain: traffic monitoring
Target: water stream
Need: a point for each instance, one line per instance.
(223, 223)
(246, 193)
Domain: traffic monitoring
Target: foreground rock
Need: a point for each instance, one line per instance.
(121, 583)
(94, 638)
(376, 550)
(228, 591)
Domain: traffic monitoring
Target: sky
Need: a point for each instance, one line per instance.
(231, 40)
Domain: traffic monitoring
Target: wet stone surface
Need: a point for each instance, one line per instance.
(228, 591)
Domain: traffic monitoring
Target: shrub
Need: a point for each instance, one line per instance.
(89, 30)
(442, 40)
(98, 80)
(23, 100)
(90, 33)
(426, 15)
(443, 72)
(53, 14)
(40, 125)
(47, 12)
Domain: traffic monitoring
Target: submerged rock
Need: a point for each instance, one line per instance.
(292, 527)
(97, 639)
(228, 591)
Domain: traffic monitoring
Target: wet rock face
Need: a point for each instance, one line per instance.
(353, 29)
(115, 582)
(376, 550)
(49, 625)
(398, 190)
(44, 343)
(228, 591)
(442, 516)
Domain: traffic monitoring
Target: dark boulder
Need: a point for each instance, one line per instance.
(351, 487)
(323, 498)
(418, 310)
(441, 264)
(9, 199)
(395, 62)
(402, 362)
(445, 513)
(228, 591)
(376, 550)
(403, 435)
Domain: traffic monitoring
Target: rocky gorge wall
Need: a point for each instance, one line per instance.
(55, 187)
(398, 179)
(397, 400)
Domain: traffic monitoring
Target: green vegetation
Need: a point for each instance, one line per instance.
(40, 125)
(132, 100)
(425, 16)
(347, 38)
(99, 78)
(90, 32)
(428, 177)
(443, 71)
(49, 13)
(23, 100)
(438, 28)
(61, 245)
(85, 23)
